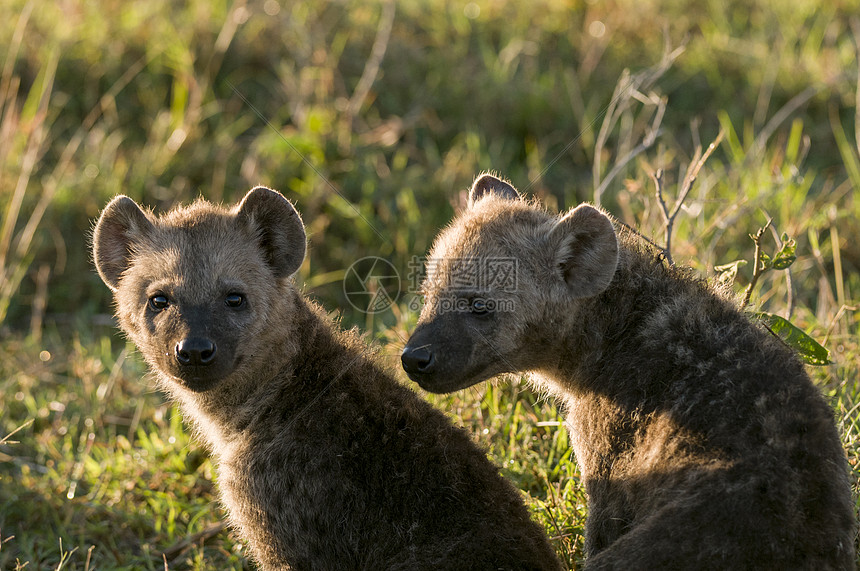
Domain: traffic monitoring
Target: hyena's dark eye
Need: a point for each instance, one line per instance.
(158, 302)
(234, 300)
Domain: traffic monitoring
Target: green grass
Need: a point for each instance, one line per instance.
(166, 101)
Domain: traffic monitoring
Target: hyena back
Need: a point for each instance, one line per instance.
(324, 460)
(701, 441)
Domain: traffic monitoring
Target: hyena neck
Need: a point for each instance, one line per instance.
(602, 363)
(606, 341)
(302, 342)
(220, 414)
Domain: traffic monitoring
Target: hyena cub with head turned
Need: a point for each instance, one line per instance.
(324, 460)
(701, 441)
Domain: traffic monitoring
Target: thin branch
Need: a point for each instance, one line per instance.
(6, 439)
(668, 219)
(657, 177)
(639, 149)
(647, 143)
(758, 267)
(699, 160)
(693, 172)
(371, 67)
(609, 119)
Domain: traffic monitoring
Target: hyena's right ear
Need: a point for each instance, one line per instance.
(487, 184)
(278, 227)
(586, 250)
(122, 223)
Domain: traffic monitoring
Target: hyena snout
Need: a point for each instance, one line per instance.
(418, 360)
(443, 354)
(195, 352)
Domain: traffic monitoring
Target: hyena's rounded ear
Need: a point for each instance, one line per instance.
(278, 227)
(487, 184)
(121, 224)
(586, 250)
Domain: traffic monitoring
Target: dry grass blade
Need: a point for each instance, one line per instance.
(177, 549)
(5, 439)
(693, 172)
(9, 82)
(32, 125)
(631, 87)
(371, 68)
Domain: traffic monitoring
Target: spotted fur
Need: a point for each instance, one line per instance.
(701, 441)
(325, 462)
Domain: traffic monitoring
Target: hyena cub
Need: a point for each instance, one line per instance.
(700, 439)
(324, 460)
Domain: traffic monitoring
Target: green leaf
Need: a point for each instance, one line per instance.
(786, 255)
(766, 261)
(850, 158)
(735, 147)
(808, 348)
(731, 266)
(792, 147)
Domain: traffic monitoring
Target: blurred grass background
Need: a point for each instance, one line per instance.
(374, 118)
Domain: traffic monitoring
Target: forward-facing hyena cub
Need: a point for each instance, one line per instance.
(701, 441)
(324, 461)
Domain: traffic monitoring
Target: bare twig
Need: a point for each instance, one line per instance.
(5, 439)
(627, 88)
(758, 267)
(692, 174)
(371, 67)
(89, 557)
(630, 86)
(640, 148)
(621, 88)
(668, 218)
(647, 142)
(234, 19)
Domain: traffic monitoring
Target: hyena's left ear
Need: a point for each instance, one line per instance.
(487, 184)
(586, 250)
(121, 224)
(278, 226)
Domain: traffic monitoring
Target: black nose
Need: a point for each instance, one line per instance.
(195, 351)
(417, 360)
